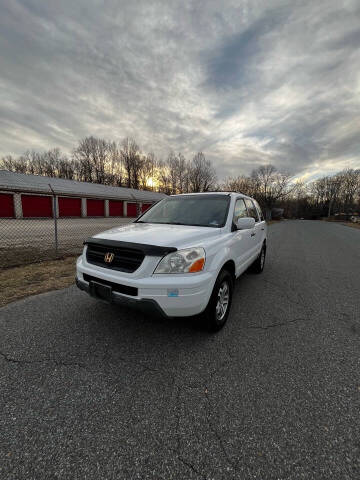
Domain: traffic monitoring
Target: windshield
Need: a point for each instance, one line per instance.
(197, 210)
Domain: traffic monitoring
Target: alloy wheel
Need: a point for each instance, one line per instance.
(222, 301)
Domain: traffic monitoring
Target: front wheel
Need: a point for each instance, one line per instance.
(218, 308)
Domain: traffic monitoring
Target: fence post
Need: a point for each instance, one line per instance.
(55, 219)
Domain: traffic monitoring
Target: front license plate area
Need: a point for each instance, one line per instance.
(99, 290)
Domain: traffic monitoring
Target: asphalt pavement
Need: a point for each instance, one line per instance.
(92, 391)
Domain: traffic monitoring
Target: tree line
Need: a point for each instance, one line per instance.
(124, 164)
(323, 197)
(119, 164)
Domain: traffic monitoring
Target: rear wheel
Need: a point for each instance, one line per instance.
(218, 308)
(259, 264)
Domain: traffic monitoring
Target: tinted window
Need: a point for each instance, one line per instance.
(199, 210)
(259, 210)
(240, 210)
(251, 209)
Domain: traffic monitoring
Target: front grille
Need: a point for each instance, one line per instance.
(125, 259)
(116, 287)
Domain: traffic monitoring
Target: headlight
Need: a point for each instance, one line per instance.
(190, 260)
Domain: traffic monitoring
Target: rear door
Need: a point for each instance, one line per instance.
(261, 227)
(257, 232)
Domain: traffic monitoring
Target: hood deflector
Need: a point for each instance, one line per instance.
(151, 250)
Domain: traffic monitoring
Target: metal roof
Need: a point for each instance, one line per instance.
(22, 182)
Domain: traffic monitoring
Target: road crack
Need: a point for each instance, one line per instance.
(9, 359)
(216, 433)
(274, 325)
(188, 464)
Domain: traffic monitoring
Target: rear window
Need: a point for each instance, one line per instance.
(259, 210)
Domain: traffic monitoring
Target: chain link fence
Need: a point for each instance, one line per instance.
(28, 240)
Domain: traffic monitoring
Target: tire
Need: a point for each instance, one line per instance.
(259, 264)
(214, 315)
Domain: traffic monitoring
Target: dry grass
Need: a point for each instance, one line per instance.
(20, 282)
(351, 224)
(19, 256)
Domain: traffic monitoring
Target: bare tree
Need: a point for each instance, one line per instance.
(131, 157)
(163, 177)
(114, 166)
(241, 184)
(202, 176)
(83, 154)
(271, 186)
(350, 188)
(13, 164)
(333, 187)
(147, 171)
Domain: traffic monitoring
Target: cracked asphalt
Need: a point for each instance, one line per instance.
(90, 391)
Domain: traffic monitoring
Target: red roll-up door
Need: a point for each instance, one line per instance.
(132, 210)
(36, 206)
(69, 207)
(6, 205)
(145, 206)
(95, 208)
(116, 208)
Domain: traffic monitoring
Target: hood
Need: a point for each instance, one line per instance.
(179, 236)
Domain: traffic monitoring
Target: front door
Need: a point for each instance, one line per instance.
(258, 233)
(242, 240)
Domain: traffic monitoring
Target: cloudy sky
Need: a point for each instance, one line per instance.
(247, 82)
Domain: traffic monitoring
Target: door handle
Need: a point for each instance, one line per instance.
(263, 228)
(253, 234)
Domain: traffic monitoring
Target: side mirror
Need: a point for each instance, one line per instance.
(245, 223)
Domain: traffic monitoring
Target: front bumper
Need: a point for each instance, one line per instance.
(169, 295)
(147, 306)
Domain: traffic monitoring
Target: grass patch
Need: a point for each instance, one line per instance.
(351, 224)
(20, 282)
(19, 256)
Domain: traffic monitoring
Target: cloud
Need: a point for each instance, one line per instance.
(247, 84)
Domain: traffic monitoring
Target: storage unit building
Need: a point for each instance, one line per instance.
(116, 208)
(69, 207)
(95, 207)
(7, 205)
(36, 206)
(34, 196)
(132, 209)
(145, 206)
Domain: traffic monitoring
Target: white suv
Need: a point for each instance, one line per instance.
(179, 258)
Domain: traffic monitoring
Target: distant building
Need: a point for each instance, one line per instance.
(32, 196)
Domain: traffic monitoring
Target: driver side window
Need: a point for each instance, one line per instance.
(240, 210)
(251, 209)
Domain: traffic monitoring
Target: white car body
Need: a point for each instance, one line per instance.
(176, 295)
